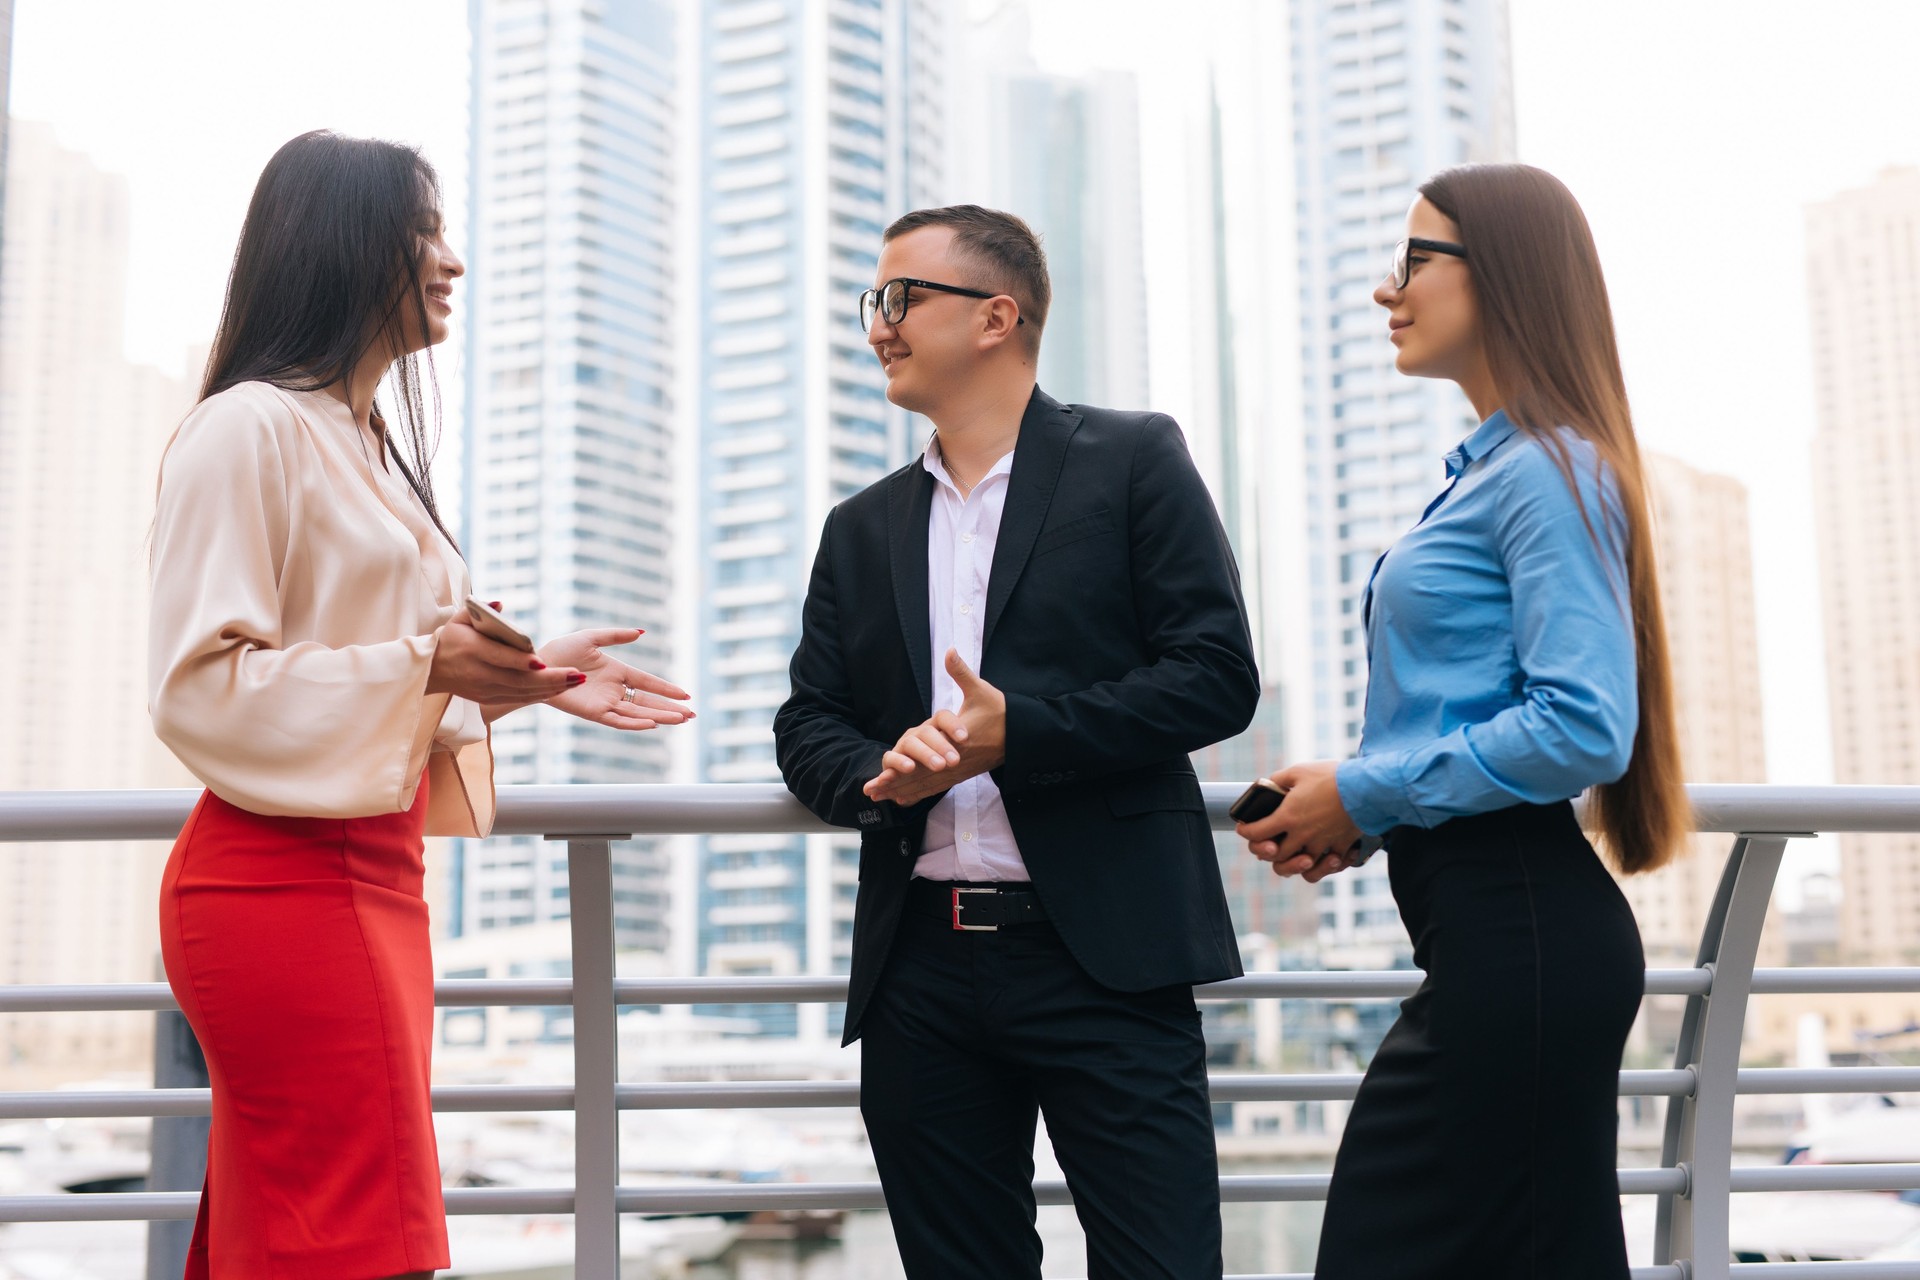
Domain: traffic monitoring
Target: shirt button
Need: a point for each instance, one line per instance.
(966, 609)
(967, 836)
(966, 537)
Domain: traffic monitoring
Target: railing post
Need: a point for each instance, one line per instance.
(178, 1159)
(1692, 1228)
(596, 1115)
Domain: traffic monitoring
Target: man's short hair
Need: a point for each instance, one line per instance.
(1002, 247)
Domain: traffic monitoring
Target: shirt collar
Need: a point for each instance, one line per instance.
(1487, 437)
(937, 468)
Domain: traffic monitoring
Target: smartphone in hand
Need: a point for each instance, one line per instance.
(1263, 797)
(1257, 802)
(488, 622)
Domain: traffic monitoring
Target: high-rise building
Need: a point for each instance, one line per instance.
(819, 121)
(1063, 153)
(81, 433)
(1863, 299)
(1386, 93)
(6, 75)
(569, 496)
(1705, 560)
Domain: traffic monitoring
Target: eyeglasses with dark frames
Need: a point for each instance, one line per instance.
(1403, 268)
(890, 300)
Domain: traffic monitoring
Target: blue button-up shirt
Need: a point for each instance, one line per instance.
(1499, 641)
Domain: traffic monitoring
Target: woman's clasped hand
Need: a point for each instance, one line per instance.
(1310, 833)
(573, 673)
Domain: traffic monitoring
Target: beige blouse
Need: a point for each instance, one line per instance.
(297, 586)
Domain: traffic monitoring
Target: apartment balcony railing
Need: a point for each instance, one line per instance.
(1693, 1182)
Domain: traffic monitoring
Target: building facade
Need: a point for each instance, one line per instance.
(1063, 153)
(1703, 550)
(819, 122)
(1386, 93)
(569, 496)
(81, 434)
(1863, 298)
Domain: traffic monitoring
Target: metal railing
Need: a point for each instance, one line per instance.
(1693, 1183)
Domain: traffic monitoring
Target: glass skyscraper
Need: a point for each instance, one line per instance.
(819, 121)
(568, 491)
(1386, 93)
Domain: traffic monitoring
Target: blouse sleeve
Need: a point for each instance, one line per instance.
(1577, 712)
(300, 730)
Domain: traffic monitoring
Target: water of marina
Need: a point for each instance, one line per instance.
(1258, 1238)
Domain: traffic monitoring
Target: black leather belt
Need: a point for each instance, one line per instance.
(973, 908)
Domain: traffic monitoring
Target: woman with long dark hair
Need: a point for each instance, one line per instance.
(313, 664)
(1517, 658)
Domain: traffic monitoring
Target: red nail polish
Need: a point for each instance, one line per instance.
(493, 604)
(537, 665)
(578, 677)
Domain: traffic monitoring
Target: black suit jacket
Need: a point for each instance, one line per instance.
(1116, 629)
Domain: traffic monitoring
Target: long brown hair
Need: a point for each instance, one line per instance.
(1547, 328)
(329, 254)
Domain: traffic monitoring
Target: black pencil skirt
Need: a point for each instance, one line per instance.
(1484, 1138)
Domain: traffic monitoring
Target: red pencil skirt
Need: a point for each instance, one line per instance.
(298, 950)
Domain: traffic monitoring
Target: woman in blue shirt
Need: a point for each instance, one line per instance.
(1517, 658)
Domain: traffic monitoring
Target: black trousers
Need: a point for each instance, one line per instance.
(1483, 1140)
(968, 1037)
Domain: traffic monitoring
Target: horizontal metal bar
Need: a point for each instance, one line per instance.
(727, 1197)
(462, 993)
(124, 1206)
(481, 1201)
(477, 993)
(1826, 1177)
(153, 997)
(1833, 981)
(1823, 1271)
(1664, 1083)
(1830, 1080)
(160, 1206)
(1379, 984)
(75, 1104)
(737, 1094)
(94, 997)
(768, 808)
(1672, 1271)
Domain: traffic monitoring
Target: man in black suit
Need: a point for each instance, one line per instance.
(1038, 884)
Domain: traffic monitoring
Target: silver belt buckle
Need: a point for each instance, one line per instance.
(971, 928)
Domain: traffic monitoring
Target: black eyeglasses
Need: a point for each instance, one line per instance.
(1402, 268)
(890, 300)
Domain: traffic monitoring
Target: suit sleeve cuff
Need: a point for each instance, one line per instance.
(1029, 766)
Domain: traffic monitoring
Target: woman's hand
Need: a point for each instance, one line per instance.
(602, 698)
(1310, 833)
(468, 665)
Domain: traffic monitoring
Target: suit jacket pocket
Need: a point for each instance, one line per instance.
(1156, 793)
(1078, 529)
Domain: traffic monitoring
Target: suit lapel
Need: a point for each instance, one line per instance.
(1037, 457)
(909, 504)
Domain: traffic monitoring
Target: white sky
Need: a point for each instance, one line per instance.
(1694, 132)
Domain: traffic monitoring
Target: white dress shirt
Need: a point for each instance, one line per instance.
(968, 837)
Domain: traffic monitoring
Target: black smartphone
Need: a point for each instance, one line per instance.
(1257, 801)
